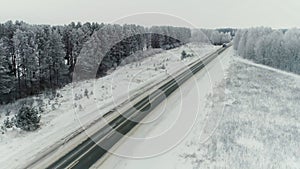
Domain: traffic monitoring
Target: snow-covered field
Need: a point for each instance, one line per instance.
(72, 108)
(258, 122)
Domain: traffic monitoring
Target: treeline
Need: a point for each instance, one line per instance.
(231, 31)
(215, 37)
(276, 48)
(35, 58)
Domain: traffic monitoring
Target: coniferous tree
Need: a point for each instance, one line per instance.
(7, 82)
(57, 67)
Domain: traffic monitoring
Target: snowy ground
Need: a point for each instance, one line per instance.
(71, 109)
(258, 122)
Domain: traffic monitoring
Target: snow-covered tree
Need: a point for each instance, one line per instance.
(57, 68)
(28, 118)
(26, 59)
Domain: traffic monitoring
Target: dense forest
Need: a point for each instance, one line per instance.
(38, 57)
(276, 48)
(35, 58)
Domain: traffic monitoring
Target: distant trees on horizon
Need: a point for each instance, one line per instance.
(215, 37)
